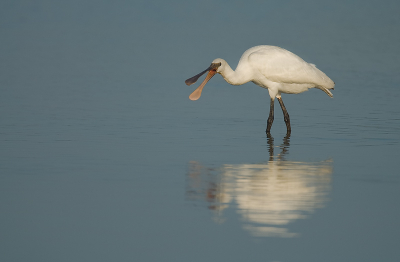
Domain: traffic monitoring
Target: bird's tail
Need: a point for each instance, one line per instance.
(324, 82)
(326, 90)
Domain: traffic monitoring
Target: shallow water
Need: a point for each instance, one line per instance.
(104, 157)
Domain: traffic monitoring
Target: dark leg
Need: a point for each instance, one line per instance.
(271, 117)
(285, 116)
(270, 142)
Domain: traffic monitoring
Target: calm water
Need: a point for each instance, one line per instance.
(104, 157)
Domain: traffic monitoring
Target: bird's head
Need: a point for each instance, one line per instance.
(221, 62)
(214, 68)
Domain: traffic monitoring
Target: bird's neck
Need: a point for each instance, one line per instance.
(237, 77)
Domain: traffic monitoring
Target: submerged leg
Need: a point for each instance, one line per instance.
(285, 116)
(270, 117)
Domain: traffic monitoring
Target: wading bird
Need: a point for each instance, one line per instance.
(270, 67)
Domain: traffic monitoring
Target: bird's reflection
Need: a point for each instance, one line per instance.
(268, 196)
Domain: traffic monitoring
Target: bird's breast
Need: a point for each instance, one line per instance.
(259, 83)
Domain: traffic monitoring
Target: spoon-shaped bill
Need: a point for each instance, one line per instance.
(197, 93)
(193, 79)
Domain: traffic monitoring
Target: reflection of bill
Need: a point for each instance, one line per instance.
(267, 196)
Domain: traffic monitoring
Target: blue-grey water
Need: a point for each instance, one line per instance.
(104, 158)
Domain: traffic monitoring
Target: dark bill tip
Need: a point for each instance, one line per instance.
(192, 80)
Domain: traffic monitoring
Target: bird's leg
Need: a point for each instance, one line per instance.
(285, 116)
(270, 117)
(270, 142)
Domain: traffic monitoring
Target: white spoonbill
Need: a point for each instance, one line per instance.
(270, 67)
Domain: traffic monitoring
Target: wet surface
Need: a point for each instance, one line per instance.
(104, 157)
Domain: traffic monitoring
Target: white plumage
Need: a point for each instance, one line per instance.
(271, 67)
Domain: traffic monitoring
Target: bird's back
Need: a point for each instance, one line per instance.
(282, 66)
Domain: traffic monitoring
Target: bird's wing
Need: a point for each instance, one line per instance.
(282, 66)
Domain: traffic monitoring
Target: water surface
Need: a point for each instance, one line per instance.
(104, 157)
